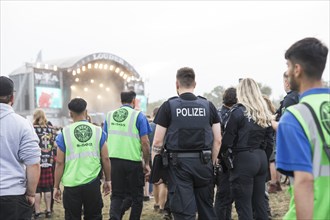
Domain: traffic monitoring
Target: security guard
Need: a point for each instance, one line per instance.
(189, 128)
(247, 134)
(129, 152)
(81, 149)
(303, 135)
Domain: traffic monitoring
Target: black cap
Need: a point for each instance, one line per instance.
(6, 86)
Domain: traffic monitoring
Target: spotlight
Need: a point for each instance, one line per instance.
(99, 97)
(101, 66)
(96, 65)
(89, 66)
(83, 68)
(86, 89)
(46, 66)
(111, 67)
(101, 85)
(78, 70)
(92, 80)
(38, 65)
(125, 76)
(105, 66)
(117, 70)
(107, 89)
(121, 73)
(72, 87)
(55, 68)
(77, 79)
(73, 72)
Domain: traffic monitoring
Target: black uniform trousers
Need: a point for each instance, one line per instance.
(127, 179)
(247, 180)
(191, 189)
(15, 208)
(223, 199)
(87, 195)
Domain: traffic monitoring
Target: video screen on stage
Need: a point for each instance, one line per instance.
(47, 97)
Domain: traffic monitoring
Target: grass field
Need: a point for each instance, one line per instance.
(279, 203)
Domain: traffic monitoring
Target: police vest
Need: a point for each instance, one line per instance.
(321, 166)
(190, 128)
(82, 154)
(123, 135)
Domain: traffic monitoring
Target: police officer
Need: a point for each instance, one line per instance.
(223, 199)
(246, 132)
(189, 128)
(80, 152)
(303, 133)
(129, 152)
(291, 98)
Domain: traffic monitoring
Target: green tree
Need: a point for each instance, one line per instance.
(266, 90)
(215, 96)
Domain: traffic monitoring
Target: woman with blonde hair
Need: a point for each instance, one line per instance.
(45, 184)
(247, 134)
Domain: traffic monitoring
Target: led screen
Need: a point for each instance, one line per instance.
(48, 97)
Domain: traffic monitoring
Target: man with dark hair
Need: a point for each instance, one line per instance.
(189, 128)
(81, 154)
(223, 200)
(303, 133)
(19, 158)
(128, 145)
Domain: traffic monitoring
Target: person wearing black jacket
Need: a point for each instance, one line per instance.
(247, 134)
(223, 199)
(291, 98)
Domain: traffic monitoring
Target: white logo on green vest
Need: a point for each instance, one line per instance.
(120, 115)
(83, 133)
(325, 115)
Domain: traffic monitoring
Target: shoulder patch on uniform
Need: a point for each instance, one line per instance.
(83, 132)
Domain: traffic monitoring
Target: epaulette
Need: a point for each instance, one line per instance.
(174, 97)
(201, 97)
(236, 106)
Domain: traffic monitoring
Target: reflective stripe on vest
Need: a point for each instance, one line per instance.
(74, 155)
(318, 169)
(129, 132)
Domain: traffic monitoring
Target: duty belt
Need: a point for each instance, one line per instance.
(185, 155)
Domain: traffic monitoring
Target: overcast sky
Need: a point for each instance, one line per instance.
(221, 40)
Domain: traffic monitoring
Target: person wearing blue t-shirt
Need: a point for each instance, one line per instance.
(129, 150)
(299, 153)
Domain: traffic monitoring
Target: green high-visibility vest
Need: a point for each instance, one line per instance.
(123, 136)
(321, 165)
(82, 154)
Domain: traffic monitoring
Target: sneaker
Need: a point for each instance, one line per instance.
(156, 208)
(272, 188)
(48, 214)
(146, 198)
(278, 186)
(37, 215)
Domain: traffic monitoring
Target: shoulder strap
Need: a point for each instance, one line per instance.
(326, 147)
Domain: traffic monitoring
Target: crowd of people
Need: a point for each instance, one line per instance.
(196, 160)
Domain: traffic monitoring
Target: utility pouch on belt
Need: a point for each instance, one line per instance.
(206, 156)
(228, 159)
(165, 159)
